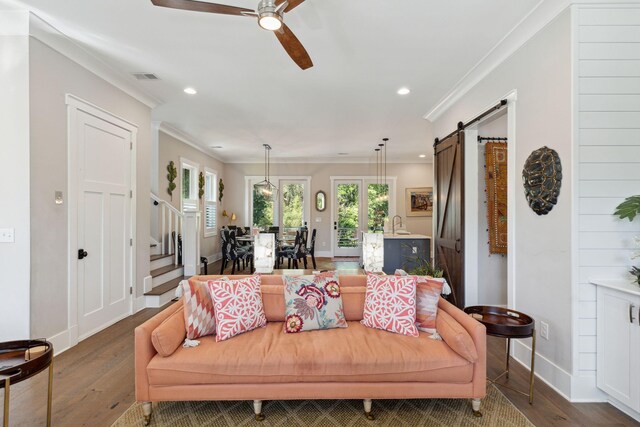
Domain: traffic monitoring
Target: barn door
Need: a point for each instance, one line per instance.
(449, 216)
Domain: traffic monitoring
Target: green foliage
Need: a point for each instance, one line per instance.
(422, 267)
(292, 197)
(220, 189)
(629, 208)
(378, 206)
(636, 272)
(171, 177)
(262, 209)
(200, 185)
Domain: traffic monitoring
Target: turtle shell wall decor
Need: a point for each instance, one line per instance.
(542, 176)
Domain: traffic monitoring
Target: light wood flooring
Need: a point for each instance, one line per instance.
(94, 383)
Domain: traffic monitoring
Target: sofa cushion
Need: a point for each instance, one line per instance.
(428, 290)
(169, 334)
(198, 309)
(456, 336)
(237, 305)
(390, 304)
(353, 354)
(313, 302)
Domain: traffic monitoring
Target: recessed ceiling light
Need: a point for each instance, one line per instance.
(216, 146)
(343, 154)
(422, 156)
(404, 91)
(190, 91)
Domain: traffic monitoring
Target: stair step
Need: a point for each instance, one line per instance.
(162, 270)
(161, 256)
(166, 287)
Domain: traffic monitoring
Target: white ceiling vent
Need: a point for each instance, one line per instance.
(145, 76)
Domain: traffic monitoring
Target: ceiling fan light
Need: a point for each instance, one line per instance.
(270, 21)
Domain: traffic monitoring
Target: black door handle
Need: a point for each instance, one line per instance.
(335, 225)
(82, 254)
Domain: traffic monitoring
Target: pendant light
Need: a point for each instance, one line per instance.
(383, 170)
(265, 187)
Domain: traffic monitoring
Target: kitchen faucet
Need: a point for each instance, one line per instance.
(393, 223)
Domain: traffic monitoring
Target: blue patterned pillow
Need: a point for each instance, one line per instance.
(313, 302)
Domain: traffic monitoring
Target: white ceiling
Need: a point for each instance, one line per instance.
(250, 92)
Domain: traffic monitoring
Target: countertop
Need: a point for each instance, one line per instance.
(620, 285)
(405, 236)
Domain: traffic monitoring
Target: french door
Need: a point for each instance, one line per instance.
(347, 217)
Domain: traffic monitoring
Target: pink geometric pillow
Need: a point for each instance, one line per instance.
(238, 306)
(198, 309)
(390, 304)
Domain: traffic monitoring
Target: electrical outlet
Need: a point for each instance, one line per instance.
(414, 250)
(7, 235)
(324, 244)
(544, 330)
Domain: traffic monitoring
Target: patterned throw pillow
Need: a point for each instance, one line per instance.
(198, 309)
(390, 304)
(238, 306)
(428, 290)
(313, 302)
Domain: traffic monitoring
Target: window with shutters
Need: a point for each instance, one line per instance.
(210, 202)
(189, 182)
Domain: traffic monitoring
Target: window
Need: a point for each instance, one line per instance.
(377, 206)
(292, 206)
(263, 209)
(189, 190)
(210, 202)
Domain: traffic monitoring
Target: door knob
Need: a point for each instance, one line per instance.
(82, 254)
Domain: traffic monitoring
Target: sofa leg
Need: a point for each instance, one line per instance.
(257, 408)
(146, 411)
(367, 409)
(475, 405)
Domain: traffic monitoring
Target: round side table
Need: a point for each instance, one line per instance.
(510, 324)
(14, 368)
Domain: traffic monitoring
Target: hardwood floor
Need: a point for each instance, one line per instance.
(94, 384)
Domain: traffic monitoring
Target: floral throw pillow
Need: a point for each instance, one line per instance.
(198, 309)
(238, 306)
(313, 302)
(390, 304)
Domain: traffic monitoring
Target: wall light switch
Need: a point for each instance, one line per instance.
(318, 219)
(59, 199)
(414, 249)
(7, 235)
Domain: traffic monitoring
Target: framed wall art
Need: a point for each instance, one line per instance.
(419, 201)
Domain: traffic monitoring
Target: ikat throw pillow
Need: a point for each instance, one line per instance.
(390, 304)
(428, 290)
(238, 306)
(313, 302)
(198, 309)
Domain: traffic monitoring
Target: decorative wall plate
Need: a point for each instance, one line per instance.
(542, 176)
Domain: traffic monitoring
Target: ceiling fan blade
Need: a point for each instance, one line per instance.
(292, 4)
(201, 6)
(294, 48)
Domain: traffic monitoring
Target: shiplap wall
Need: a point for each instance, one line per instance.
(608, 68)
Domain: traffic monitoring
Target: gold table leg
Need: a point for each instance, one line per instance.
(49, 394)
(7, 383)
(508, 354)
(533, 361)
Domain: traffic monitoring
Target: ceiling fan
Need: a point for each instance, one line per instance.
(270, 14)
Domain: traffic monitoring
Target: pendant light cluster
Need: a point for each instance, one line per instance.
(381, 169)
(266, 187)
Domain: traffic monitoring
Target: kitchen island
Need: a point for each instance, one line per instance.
(400, 251)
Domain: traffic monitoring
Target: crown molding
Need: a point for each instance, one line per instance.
(332, 161)
(184, 137)
(57, 40)
(539, 17)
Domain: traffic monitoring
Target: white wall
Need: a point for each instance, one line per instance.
(540, 71)
(53, 75)
(492, 268)
(408, 175)
(14, 173)
(170, 148)
(607, 75)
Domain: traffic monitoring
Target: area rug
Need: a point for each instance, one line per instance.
(496, 181)
(496, 409)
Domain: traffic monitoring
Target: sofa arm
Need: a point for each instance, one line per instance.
(144, 349)
(479, 336)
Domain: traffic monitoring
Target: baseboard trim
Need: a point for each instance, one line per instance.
(585, 390)
(61, 342)
(624, 408)
(547, 371)
(139, 304)
(324, 254)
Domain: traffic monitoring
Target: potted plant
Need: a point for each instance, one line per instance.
(629, 209)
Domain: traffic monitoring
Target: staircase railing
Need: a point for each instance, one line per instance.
(171, 224)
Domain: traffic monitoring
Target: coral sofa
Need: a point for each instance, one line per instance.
(349, 363)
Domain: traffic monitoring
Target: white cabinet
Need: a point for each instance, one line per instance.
(618, 338)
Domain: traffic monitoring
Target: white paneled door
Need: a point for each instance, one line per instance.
(103, 221)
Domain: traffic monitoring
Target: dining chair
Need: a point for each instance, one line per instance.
(294, 254)
(311, 250)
